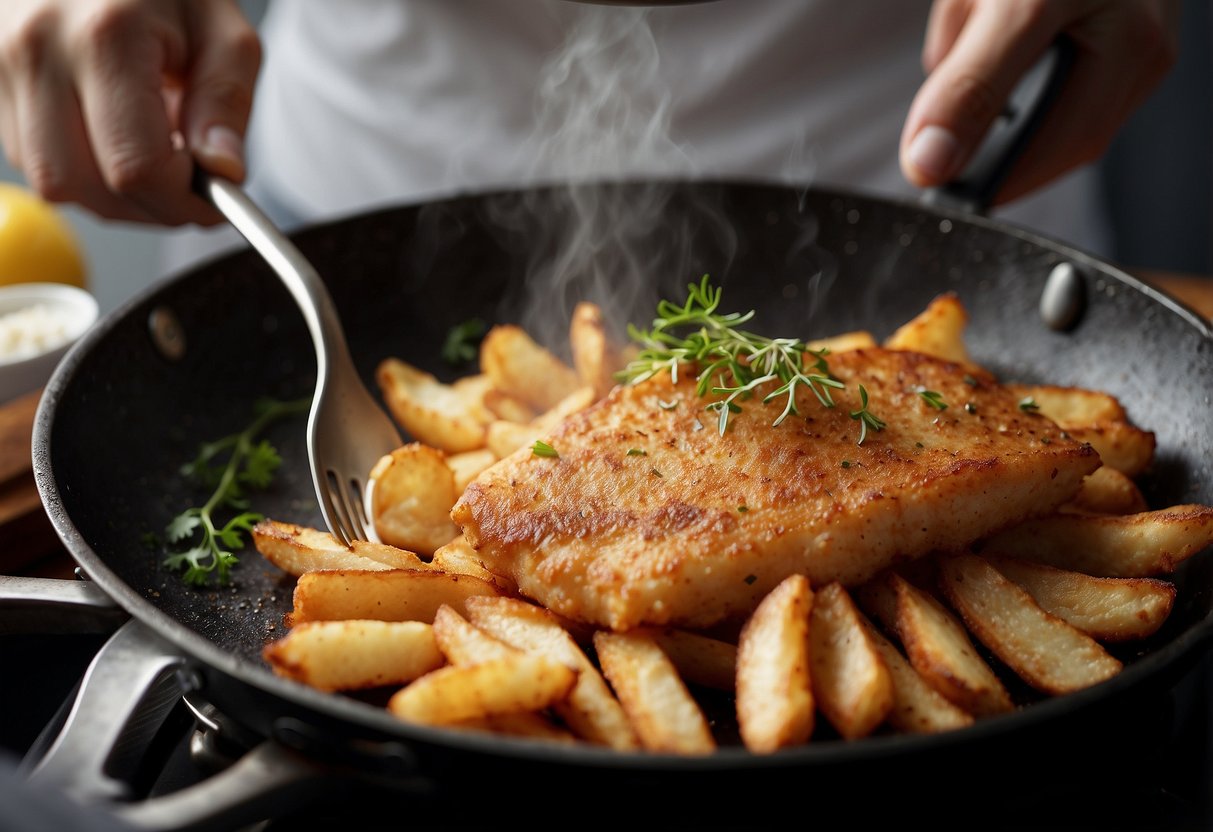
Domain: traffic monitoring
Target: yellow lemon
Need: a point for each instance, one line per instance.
(37, 244)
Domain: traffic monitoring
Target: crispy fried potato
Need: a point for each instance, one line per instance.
(938, 330)
(299, 549)
(472, 391)
(504, 438)
(657, 702)
(1108, 491)
(574, 402)
(1122, 546)
(412, 492)
(459, 558)
(351, 655)
(464, 644)
(1071, 406)
(774, 694)
(467, 466)
(455, 694)
(851, 682)
(857, 340)
(1106, 609)
(430, 411)
(524, 724)
(1046, 652)
(508, 408)
(524, 369)
(595, 356)
(700, 659)
(396, 595)
(917, 707)
(590, 710)
(938, 647)
(393, 557)
(1128, 449)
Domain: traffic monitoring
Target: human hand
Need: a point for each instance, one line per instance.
(977, 50)
(109, 103)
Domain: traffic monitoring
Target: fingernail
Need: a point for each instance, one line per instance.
(221, 142)
(935, 152)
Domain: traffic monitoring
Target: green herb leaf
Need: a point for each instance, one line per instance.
(743, 509)
(462, 341)
(664, 405)
(865, 417)
(637, 452)
(248, 464)
(933, 398)
(1028, 405)
(541, 448)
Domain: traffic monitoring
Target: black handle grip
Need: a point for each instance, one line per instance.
(977, 186)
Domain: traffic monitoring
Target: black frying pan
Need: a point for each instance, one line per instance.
(123, 412)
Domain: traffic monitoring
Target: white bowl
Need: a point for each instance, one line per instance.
(38, 324)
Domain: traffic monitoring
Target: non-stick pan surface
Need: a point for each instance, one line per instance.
(123, 412)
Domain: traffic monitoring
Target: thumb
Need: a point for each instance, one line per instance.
(960, 99)
(218, 95)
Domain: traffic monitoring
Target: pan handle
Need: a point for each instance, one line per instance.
(977, 186)
(49, 606)
(132, 686)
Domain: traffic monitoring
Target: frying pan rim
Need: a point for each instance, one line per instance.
(349, 711)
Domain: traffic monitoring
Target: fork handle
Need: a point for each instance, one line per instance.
(301, 279)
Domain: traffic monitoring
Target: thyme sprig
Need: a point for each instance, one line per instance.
(731, 362)
(249, 464)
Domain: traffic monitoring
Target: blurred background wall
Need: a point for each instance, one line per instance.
(1158, 177)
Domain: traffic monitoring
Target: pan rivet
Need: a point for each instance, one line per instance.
(166, 332)
(1064, 298)
(190, 679)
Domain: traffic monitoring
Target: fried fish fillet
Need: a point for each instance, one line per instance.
(650, 516)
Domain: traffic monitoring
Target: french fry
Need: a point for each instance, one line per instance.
(390, 556)
(299, 549)
(508, 408)
(774, 694)
(503, 438)
(938, 647)
(464, 644)
(596, 358)
(351, 655)
(456, 694)
(700, 659)
(1122, 546)
(590, 710)
(1108, 491)
(1106, 609)
(1071, 406)
(468, 465)
(1128, 449)
(1046, 652)
(917, 707)
(851, 682)
(412, 492)
(938, 330)
(576, 401)
(663, 713)
(396, 595)
(431, 412)
(524, 369)
(459, 558)
(857, 340)
(523, 724)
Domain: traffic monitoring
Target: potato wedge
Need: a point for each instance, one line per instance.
(508, 408)
(1046, 652)
(412, 491)
(459, 558)
(1106, 609)
(1071, 406)
(596, 357)
(431, 412)
(468, 465)
(464, 644)
(700, 659)
(858, 340)
(453, 694)
(1108, 491)
(917, 707)
(662, 712)
(522, 368)
(1121, 446)
(390, 556)
(395, 595)
(851, 682)
(523, 724)
(504, 438)
(297, 550)
(938, 330)
(774, 695)
(590, 710)
(1122, 546)
(938, 647)
(351, 655)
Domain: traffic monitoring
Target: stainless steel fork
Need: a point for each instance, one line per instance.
(347, 430)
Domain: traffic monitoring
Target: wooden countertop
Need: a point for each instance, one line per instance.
(29, 546)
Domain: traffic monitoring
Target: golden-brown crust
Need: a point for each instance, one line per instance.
(694, 527)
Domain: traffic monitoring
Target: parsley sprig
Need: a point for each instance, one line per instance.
(731, 362)
(230, 466)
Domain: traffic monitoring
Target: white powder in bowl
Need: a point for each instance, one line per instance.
(31, 330)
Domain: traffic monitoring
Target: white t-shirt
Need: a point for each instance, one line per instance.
(370, 102)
